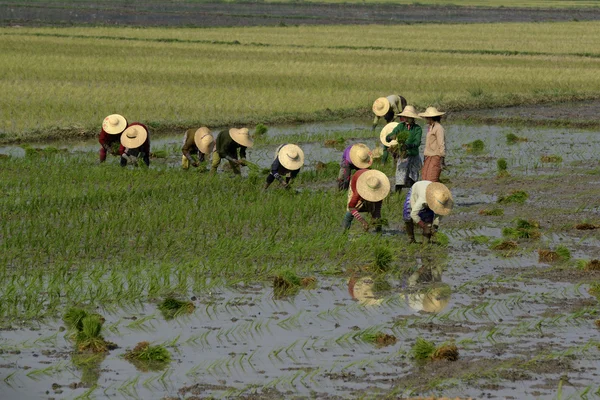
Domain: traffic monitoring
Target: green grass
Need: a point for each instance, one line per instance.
(57, 83)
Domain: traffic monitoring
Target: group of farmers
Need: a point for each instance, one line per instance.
(426, 201)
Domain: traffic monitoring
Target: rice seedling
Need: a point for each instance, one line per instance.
(525, 229)
(377, 338)
(260, 130)
(172, 307)
(592, 265)
(147, 357)
(383, 258)
(561, 253)
(480, 239)
(511, 138)
(515, 196)
(492, 212)
(287, 283)
(585, 226)
(504, 245)
(475, 146)
(422, 349)
(89, 338)
(551, 159)
(502, 172)
(441, 239)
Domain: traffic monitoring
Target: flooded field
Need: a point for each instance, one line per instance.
(524, 326)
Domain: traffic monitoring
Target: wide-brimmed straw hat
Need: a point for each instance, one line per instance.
(386, 131)
(362, 290)
(360, 156)
(381, 106)
(114, 124)
(438, 198)
(241, 136)
(291, 157)
(431, 299)
(410, 112)
(373, 185)
(203, 139)
(431, 112)
(134, 136)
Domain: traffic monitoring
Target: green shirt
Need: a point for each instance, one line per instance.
(227, 147)
(414, 137)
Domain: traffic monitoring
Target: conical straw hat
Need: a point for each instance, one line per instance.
(203, 140)
(431, 112)
(373, 185)
(114, 124)
(134, 136)
(410, 112)
(291, 157)
(431, 299)
(241, 136)
(360, 156)
(438, 198)
(381, 106)
(362, 290)
(386, 131)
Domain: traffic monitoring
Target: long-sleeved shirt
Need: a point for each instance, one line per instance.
(413, 142)
(355, 200)
(144, 148)
(435, 141)
(106, 140)
(418, 202)
(190, 147)
(227, 148)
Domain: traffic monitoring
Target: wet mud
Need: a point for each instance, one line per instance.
(182, 13)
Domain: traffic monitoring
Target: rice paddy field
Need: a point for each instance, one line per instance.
(161, 283)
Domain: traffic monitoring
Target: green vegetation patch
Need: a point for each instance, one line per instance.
(516, 196)
(147, 357)
(172, 307)
(492, 211)
(511, 138)
(524, 229)
(427, 350)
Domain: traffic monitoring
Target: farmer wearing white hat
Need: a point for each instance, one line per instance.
(426, 203)
(110, 135)
(409, 162)
(368, 188)
(387, 108)
(196, 142)
(135, 141)
(289, 158)
(228, 144)
(435, 145)
(356, 156)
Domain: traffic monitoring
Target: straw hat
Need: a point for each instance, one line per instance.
(373, 185)
(203, 140)
(432, 299)
(291, 157)
(362, 290)
(241, 136)
(134, 136)
(381, 106)
(438, 198)
(431, 112)
(114, 124)
(410, 112)
(386, 131)
(360, 156)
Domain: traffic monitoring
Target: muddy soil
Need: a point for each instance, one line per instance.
(155, 13)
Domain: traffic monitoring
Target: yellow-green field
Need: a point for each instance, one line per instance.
(63, 81)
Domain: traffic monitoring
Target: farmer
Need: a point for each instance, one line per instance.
(387, 107)
(368, 188)
(289, 159)
(196, 142)
(356, 156)
(228, 144)
(435, 145)
(426, 202)
(390, 147)
(110, 135)
(135, 142)
(409, 162)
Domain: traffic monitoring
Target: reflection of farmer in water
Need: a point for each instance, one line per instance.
(425, 289)
(361, 289)
(425, 203)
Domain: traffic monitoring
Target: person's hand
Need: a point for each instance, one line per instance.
(195, 164)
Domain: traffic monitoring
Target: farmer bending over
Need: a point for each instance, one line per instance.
(355, 157)
(426, 202)
(110, 135)
(289, 159)
(135, 143)
(387, 107)
(227, 145)
(368, 188)
(196, 142)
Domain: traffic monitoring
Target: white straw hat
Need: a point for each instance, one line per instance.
(360, 156)
(381, 106)
(438, 198)
(373, 185)
(410, 112)
(134, 136)
(114, 124)
(362, 290)
(291, 157)
(203, 139)
(431, 112)
(241, 136)
(386, 131)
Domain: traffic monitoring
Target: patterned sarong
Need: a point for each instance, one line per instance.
(408, 167)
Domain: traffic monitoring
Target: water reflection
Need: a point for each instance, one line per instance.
(424, 289)
(362, 289)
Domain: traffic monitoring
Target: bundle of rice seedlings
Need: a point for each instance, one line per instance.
(383, 258)
(475, 146)
(447, 352)
(172, 307)
(597, 322)
(146, 357)
(441, 239)
(159, 154)
(563, 252)
(260, 130)
(90, 338)
(423, 349)
(524, 230)
(73, 318)
(592, 265)
(551, 159)
(308, 282)
(379, 339)
(545, 255)
(492, 212)
(516, 196)
(586, 226)
(511, 138)
(505, 245)
(594, 290)
(480, 239)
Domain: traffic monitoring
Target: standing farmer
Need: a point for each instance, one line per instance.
(196, 142)
(110, 135)
(426, 203)
(228, 144)
(135, 142)
(356, 156)
(409, 163)
(435, 145)
(367, 191)
(387, 107)
(289, 159)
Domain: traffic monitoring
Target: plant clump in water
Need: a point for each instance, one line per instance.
(448, 352)
(492, 212)
(426, 350)
(171, 307)
(260, 129)
(502, 172)
(147, 357)
(592, 265)
(505, 245)
(525, 229)
(551, 159)
(379, 339)
(90, 337)
(516, 196)
(474, 146)
(511, 138)
(586, 227)
(561, 253)
(287, 283)
(383, 258)
(480, 239)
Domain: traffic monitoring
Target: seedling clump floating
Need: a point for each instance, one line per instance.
(475, 146)
(524, 230)
(511, 138)
(502, 172)
(592, 265)
(561, 253)
(379, 339)
(287, 282)
(492, 212)
(171, 307)
(426, 350)
(516, 196)
(260, 129)
(147, 357)
(551, 159)
(585, 226)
